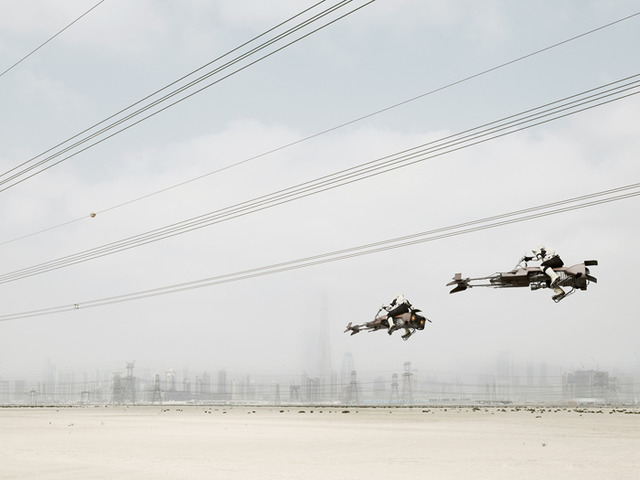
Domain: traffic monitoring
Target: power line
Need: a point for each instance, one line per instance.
(175, 82)
(51, 38)
(473, 226)
(490, 131)
(48, 162)
(351, 122)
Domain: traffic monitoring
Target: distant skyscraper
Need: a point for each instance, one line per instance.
(324, 357)
(186, 379)
(206, 383)
(345, 370)
(170, 380)
(352, 392)
(222, 385)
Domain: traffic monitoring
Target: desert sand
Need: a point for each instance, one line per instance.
(237, 442)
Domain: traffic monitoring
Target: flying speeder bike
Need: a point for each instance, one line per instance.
(550, 274)
(398, 314)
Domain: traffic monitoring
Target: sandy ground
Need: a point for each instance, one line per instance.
(197, 442)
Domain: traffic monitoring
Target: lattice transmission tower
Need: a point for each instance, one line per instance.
(407, 390)
(394, 398)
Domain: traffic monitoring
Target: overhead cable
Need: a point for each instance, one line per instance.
(31, 167)
(529, 118)
(318, 134)
(51, 38)
(554, 208)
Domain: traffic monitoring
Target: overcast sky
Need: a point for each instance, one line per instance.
(381, 55)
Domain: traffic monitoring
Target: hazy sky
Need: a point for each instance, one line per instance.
(383, 54)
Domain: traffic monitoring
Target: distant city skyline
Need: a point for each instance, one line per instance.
(510, 381)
